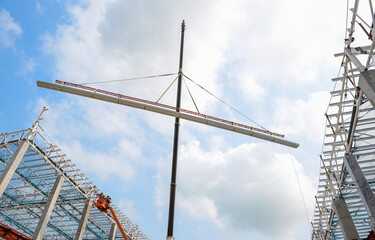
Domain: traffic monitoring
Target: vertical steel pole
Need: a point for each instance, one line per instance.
(175, 143)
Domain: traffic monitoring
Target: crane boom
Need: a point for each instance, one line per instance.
(118, 223)
(107, 96)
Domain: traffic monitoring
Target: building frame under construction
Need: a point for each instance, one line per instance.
(44, 196)
(345, 202)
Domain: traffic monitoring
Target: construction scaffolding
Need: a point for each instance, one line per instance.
(44, 196)
(345, 203)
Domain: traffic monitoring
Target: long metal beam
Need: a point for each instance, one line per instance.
(43, 221)
(363, 188)
(83, 222)
(167, 110)
(345, 220)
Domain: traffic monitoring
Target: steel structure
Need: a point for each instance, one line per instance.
(349, 138)
(117, 98)
(27, 194)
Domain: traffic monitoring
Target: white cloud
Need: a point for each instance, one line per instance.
(108, 164)
(40, 8)
(9, 29)
(27, 67)
(247, 188)
(262, 47)
(128, 207)
(302, 117)
(283, 45)
(112, 40)
(98, 141)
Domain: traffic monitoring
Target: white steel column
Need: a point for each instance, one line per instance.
(363, 188)
(43, 221)
(83, 222)
(345, 220)
(112, 234)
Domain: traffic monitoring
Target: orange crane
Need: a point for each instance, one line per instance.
(103, 203)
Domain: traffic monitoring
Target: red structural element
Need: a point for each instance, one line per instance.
(119, 96)
(371, 236)
(11, 234)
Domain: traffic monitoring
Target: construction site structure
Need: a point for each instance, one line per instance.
(44, 196)
(345, 202)
(176, 112)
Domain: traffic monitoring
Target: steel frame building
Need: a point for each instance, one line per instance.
(345, 203)
(44, 196)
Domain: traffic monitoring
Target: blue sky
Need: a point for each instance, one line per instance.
(271, 60)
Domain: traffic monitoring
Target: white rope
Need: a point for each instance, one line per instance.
(128, 79)
(191, 96)
(225, 103)
(300, 189)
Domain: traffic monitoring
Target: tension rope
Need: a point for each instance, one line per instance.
(234, 109)
(300, 190)
(129, 79)
(191, 96)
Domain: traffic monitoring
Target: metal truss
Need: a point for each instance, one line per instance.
(350, 128)
(23, 201)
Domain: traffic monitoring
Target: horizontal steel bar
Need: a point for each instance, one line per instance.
(164, 109)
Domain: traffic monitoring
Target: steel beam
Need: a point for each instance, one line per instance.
(83, 222)
(112, 234)
(43, 221)
(363, 188)
(169, 112)
(354, 59)
(345, 220)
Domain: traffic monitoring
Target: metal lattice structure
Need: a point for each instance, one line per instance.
(350, 129)
(26, 195)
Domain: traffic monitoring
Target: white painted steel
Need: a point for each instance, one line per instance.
(363, 188)
(82, 224)
(345, 220)
(168, 112)
(17, 156)
(112, 233)
(43, 221)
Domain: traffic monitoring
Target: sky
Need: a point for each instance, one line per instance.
(271, 60)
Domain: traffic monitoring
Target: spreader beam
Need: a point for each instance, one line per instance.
(107, 96)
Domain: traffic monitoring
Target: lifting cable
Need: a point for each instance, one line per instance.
(168, 88)
(300, 189)
(170, 74)
(225, 103)
(191, 96)
(128, 79)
